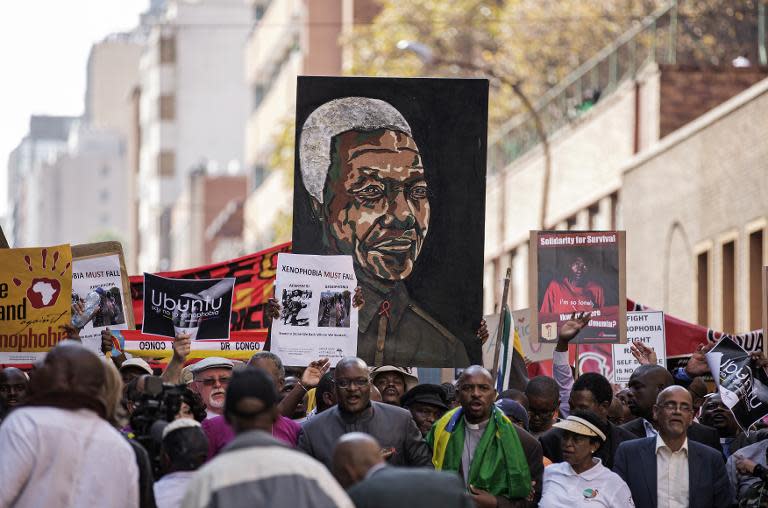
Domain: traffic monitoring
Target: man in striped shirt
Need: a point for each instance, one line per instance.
(255, 469)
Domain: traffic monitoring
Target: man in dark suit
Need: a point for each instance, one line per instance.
(590, 392)
(669, 469)
(360, 468)
(645, 384)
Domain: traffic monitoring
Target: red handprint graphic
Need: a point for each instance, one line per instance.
(43, 291)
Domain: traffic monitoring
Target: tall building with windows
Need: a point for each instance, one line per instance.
(289, 38)
(193, 103)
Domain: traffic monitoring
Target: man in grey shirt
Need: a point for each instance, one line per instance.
(393, 427)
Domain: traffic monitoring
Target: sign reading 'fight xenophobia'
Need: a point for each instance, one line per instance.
(199, 308)
(578, 271)
(35, 285)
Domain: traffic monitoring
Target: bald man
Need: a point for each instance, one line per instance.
(645, 384)
(359, 467)
(392, 426)
(669, 469)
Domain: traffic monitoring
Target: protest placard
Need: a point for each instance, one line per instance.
(317, 318)
(648, 328)
(534, 350)
(101, 295)
(765, 309)
(240, 345)
(254, 281)
(742, 384)
(34, 287)
(578, 271)
(199, 308)
(351, 132)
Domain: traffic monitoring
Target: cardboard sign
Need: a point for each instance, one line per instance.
(101, 289)
(647, 327)
(317, 318)
(534, 350)
(742, 384)
(391, 171)
(35, 284)
(200, 308)
(578, 271)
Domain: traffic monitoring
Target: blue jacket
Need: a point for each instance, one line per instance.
(708, 485)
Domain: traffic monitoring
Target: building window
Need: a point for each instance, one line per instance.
(167, 107)
(257, 176)
(258, 12)
(167, 49)
(592, 213)
(104, 170)
(702, 289)
(258, 95)
(511, 297)
(104, 195)
(166, 163)
(570, 223)
(614, 211)
(755, 279)
(729, 287)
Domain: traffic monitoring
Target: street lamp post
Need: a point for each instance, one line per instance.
(428, 57)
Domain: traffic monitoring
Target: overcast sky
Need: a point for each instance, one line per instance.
(44, 47)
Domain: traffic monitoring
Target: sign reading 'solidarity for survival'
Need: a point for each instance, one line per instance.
(200, 308)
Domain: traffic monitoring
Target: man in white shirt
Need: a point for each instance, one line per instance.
(668, 470)
(58, 450)
(185, 448)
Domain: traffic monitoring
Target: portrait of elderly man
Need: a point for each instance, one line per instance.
(365, 176)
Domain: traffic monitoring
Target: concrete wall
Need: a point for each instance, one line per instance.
(703, 185)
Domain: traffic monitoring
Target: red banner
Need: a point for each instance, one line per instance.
(254, 279)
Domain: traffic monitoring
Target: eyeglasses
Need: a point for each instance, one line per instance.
(346, 384)
(211, 381)
(674, 406)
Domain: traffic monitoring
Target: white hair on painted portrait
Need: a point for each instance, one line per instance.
(336, 117)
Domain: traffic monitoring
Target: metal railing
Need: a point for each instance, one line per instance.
(655, 39)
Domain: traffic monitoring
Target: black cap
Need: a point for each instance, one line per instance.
(426, 393)
(250, 382)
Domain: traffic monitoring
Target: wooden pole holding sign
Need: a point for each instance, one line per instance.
(500, 328)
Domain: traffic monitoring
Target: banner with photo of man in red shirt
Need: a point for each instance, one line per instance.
(574, 272)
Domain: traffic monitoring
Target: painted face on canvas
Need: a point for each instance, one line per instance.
(376, 202)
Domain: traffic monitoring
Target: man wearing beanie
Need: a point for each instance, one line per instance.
(255, 469)
(427, 404)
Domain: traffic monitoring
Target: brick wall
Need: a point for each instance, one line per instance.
(688, 92)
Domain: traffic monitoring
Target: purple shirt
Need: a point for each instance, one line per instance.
(219, 432)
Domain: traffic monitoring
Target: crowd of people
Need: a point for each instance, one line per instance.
(81, 431)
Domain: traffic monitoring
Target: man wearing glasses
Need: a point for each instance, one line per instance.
(669, 470)
(210, 378)
(392, 426)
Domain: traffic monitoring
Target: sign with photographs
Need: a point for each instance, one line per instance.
(100, 292)
(200, 308)
(578, 271)
(317, 318)
(34, 284)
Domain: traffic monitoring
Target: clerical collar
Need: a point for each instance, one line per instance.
(476, 426)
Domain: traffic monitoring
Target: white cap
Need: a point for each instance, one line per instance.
(181, 423)
(212, 362)
(139, 363)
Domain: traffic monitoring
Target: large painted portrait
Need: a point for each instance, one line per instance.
(391, 171)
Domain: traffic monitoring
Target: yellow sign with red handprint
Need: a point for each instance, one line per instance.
(35, 300)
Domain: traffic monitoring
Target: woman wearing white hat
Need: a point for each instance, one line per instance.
(582, 480)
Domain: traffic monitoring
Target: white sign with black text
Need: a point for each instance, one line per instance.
(647, 327)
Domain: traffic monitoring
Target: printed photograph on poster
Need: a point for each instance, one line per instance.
(388, 170)
(578, 271)
(35, 284)
(317, 318)
(200, 308)
(97, 301)
(294, 310)
(334, 309)
(741, 382)
(648, 328)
